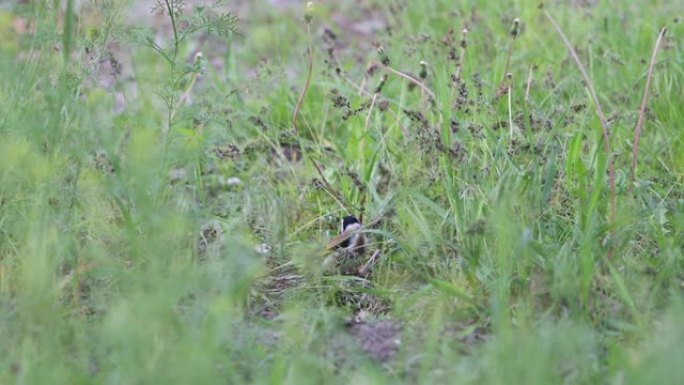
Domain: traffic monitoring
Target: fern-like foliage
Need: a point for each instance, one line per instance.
(207, 19)
(170, 7)
(210, 20)
(220, 24)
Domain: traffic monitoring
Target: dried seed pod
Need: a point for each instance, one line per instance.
(423, 70)
(515, 28)
(380, 86)
(308, 12)
(384, 59)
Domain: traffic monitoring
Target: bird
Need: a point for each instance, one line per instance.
(350, 246)
(353, 241)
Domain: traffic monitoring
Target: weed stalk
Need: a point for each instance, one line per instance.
(599, 112)
(644, 103)
(308, 18)
(513, 34)
(529, 84)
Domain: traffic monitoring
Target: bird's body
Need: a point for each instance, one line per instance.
(354, 241)
(350, 246)
(348, 259)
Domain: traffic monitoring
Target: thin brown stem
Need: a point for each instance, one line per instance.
(370, 111)
(514, 35)
(461, 58)
(599, 112)
(412, 80)
(359, 88)
(508, 62)
(644, 103)
(529, 84)
(298, 106)
(365, 269)
(510, 109)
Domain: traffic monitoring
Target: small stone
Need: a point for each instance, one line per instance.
(233, 181)
(263, 248)
(177, 174)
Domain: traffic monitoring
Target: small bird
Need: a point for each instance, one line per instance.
(353, 241)
(350, 245)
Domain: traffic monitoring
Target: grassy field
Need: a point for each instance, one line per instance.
(163, 220)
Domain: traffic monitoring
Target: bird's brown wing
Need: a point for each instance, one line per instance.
(347, 234)
(340, 238)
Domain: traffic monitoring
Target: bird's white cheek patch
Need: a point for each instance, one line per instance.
(353, 227)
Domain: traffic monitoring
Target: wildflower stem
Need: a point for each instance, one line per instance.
(644, 103)
(298, 106)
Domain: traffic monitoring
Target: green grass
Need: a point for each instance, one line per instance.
(499, 261)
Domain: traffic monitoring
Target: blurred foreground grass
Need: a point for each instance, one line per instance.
(160, 222)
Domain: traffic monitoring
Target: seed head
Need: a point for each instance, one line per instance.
(423, 70)
(514, 28)
(308, 12)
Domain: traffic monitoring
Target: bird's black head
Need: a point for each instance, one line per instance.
(349, 220)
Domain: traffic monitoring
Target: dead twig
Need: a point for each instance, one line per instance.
(365, 269)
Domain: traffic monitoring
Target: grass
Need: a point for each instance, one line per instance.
(162, 221)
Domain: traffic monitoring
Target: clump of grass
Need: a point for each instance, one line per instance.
(601, 116)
